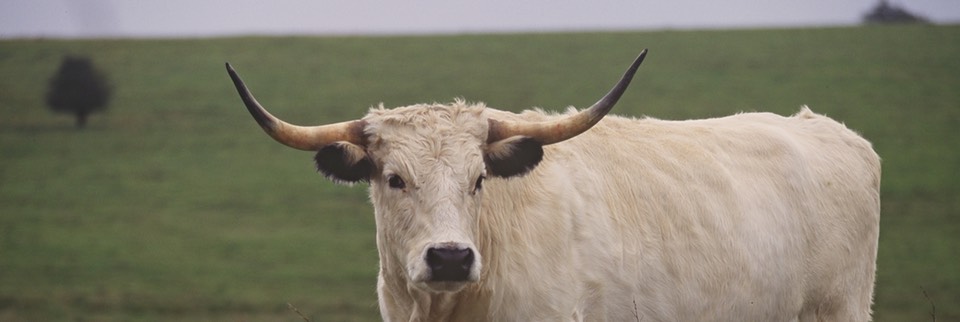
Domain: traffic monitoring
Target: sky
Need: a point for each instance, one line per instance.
(212, 18)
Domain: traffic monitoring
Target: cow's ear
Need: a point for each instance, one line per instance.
(344, 162)
(512, 156)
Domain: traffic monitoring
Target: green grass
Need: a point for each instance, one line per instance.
(174, 206)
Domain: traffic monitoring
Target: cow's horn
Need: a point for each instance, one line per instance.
(309, 138)
(555, 131)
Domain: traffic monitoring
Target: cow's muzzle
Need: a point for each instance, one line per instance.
(449, 263)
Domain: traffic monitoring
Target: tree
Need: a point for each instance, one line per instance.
(885, 12)
(78, 89)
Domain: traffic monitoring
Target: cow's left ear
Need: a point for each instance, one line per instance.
(344, 162)
(512, 156)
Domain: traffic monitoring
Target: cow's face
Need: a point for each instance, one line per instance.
(426, 165)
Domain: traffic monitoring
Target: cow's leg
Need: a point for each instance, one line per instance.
(850, 308)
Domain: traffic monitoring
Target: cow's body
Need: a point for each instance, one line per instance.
(752, 217)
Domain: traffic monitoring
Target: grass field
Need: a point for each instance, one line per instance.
(174, 206)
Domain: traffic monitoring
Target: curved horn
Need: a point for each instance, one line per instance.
(551, 132)
(308, 138)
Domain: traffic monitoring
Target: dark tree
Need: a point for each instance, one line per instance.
(78, 89)
(885, 12)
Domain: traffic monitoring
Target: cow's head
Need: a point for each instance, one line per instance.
(426, 165)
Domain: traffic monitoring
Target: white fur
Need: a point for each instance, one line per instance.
(752, 217)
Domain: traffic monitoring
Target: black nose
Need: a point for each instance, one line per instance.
(449, 264)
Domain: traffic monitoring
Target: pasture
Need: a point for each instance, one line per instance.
(173, 205)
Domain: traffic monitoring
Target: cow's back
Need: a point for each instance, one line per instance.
(748, 217)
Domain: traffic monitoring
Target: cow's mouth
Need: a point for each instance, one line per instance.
(446, 286)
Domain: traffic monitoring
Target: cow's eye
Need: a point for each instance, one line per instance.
(396, 182)
(477, 186)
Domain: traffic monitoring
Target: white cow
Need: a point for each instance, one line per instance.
(481, 217)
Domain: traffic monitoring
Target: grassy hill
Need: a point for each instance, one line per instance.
(174, 206)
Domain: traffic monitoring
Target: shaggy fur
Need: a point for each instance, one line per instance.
(751, 217)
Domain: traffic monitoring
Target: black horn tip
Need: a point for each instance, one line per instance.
(233, 74)
(606, 103)
(643, 54)
(636, 63)
(263, 118)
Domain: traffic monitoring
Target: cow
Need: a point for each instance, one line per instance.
(488, 215)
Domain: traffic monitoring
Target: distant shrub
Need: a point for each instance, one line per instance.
(885, 12)
(78, 88)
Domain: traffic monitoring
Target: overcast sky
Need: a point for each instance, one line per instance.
(189, 18)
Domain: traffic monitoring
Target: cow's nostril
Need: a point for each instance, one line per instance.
(449, 263)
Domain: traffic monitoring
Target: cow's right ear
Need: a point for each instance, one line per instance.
(344, 162)
(513, 156)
